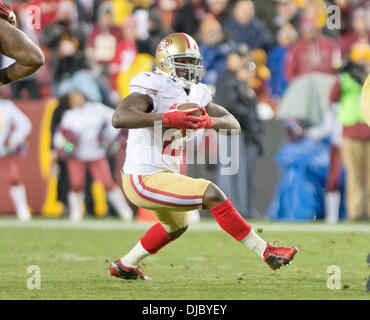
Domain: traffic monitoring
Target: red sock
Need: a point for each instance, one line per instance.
(155, 239)
(230, 220)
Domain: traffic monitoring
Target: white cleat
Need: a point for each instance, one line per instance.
(24, 215)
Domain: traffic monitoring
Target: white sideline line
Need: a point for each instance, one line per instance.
(202, 226)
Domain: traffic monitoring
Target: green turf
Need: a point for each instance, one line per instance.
(205, 264)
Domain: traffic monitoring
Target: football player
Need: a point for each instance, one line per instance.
(85, 134)
(16, 45)
(365, 100)
(14, 128)
(150, 174)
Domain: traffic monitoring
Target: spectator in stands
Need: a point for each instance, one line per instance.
(167, 12)
(126, 50)
(127, 61)
(155, 31)
(14, 128)
(314, 52)
(103, 39)
(189, 16)
(317, 11)
(48, 10)
(287, 12)
(66, 37)
(220, 10)
(355, 149)
(88, 10)
(278, 82)
(345, 9)
(260, 75)
(241, 100)
(85, 82)
(214, 47)
(245, 28)
(359, 31)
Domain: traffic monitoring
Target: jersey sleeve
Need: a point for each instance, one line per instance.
(22, 125)
(107, 114)
(147, 83)
(67, 121)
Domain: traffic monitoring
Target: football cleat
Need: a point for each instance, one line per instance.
(117, 269)
(277, 257)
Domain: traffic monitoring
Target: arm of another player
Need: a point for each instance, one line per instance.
(16, 45)
(222, 119)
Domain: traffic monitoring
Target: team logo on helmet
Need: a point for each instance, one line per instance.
(164, 44)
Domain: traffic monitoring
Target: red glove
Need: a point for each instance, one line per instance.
(207, 122)
(6, 13)
(181, 119)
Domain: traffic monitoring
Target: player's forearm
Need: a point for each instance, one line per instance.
(132, 112)
(226, 124)
(17, 70)
(16, 45)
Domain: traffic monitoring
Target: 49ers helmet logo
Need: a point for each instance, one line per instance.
(164, 44)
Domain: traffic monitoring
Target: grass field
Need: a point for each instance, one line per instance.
(205, 263)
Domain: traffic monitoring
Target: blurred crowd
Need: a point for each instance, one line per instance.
(278, 58)
(110, 41)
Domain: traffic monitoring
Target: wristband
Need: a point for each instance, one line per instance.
(4, 78)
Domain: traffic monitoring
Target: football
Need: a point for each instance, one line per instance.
(186, 107)
(189, 106)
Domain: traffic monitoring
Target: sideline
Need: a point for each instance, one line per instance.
(116, 224)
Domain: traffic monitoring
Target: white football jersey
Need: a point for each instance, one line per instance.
(14, 125)
(87, 122)
(147, 151)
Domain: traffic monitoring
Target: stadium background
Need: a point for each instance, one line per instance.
(40, 181)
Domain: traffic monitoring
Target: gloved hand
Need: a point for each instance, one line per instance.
(181, 119)
(207, 122)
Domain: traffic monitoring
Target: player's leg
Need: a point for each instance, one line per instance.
(170, 196)
(367, 164)
(352, 156)
(17, 191)
(77, 176)
(365, 100)
(171, 225)
(332, 194)
(233, 223)
(100, 171)
(154, 192)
